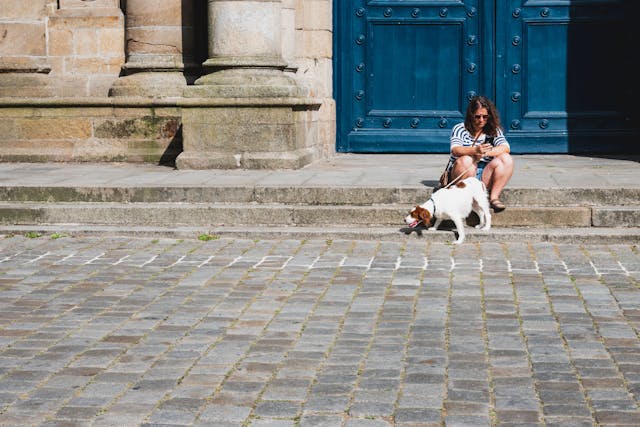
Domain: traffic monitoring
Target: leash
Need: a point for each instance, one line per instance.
(453, 181)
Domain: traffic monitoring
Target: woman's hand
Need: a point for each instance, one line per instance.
(481, 150)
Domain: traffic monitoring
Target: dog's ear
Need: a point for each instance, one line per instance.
(424, 215)
(461, 184)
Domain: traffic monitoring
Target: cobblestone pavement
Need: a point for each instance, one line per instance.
(128, 331)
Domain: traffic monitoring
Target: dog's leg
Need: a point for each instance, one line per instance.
(480, 214)
(487, 219)
(460, 229)
(484, 213)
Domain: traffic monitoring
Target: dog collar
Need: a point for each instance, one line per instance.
(433, 202)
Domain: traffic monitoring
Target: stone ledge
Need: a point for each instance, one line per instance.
(134, 101)
(576, 235)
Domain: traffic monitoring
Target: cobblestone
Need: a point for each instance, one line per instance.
(230, 332)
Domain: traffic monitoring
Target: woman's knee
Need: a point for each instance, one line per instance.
(506, 160)
(503, 162)
(463, 167)
(464, 162)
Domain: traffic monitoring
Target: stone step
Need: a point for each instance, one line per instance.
(289, 215)
(311, 195)
(566, 235)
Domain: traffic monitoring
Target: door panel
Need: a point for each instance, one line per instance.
(561, 72)
(406, 71)
(564, 86)
(403, 78)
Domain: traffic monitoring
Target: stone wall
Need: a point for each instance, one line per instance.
(85, 130)
(72, 77)
(65, 49)
(313, 58)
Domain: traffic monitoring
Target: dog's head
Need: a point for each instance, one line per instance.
(418, 215)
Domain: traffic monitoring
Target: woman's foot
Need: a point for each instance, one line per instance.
(497, 205)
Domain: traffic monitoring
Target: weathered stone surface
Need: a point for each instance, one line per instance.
(90, 134)
(22, 39)
(549, 216)
(12, 10)
(67, 49)
(625, 216)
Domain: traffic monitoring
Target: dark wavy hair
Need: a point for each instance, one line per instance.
(493, 122)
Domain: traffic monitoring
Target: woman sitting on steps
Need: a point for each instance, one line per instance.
(479, 148)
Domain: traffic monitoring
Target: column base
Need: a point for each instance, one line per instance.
(260, 134)
(245, 83)
(152, 84)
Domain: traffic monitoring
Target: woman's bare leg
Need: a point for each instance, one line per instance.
(497, 174)
(462, 164)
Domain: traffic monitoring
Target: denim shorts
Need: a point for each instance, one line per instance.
(481, 165)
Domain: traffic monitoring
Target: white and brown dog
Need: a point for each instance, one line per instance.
(454, 203)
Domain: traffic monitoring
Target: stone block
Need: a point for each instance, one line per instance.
(94, 149)
(155, 41)
(7, 125)
(544, 216)
(35, 151)
(22, 10)
(616, 216)
(27, 85)
(84, 42)
(317, 15)
(110, 18)
(75, 86)
(61, 42)
(78, 133)
(23, 64)
(22, 39)
(148, 128)
(253, 136)
(35, 128)
(70, 4)
(237, 129)
(93, 65)
(317, 43)
(111, 42)
(150, 13)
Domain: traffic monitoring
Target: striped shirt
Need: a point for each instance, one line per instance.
(461, 137)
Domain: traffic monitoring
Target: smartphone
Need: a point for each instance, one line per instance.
(489, 140)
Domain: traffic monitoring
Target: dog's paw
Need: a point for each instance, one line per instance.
(458, 242)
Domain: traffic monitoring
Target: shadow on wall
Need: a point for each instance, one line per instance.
(603, 115)
(173, 150)
(195, 40)
(195, 37)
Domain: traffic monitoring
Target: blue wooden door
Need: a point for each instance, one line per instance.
(561, 72)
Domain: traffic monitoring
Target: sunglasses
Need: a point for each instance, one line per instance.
(481, 116)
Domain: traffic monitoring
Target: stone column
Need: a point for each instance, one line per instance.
(245, 51)
(242, 112)
(159, 46)
(23, 50)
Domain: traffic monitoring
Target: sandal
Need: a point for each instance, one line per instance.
(497, 205)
